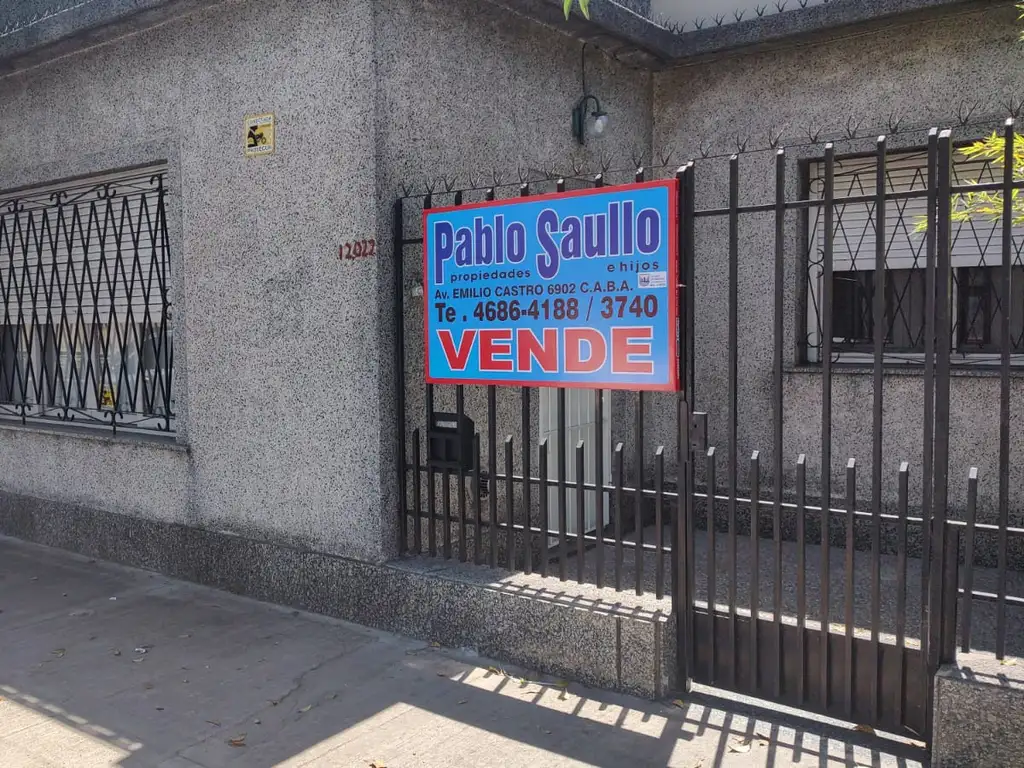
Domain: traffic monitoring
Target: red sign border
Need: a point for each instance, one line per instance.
(672, 185)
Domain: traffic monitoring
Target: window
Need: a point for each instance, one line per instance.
(85, 296)
(976, 256)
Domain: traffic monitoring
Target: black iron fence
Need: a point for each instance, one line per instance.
(840, 578)
(85, 287)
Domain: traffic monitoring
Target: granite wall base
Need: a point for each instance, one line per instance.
(979, 714)
(571, 631)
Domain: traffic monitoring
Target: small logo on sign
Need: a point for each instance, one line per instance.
(652, 279)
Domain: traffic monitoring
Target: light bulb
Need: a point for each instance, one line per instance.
(600, 123)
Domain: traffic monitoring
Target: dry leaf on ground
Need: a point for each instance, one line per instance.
(864, 729)
(306, 708)
(238, 741)
(678, 703)
(59, 653)
(742, 746)
(213, 722)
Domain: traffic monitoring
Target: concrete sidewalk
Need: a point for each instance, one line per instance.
(107, 666)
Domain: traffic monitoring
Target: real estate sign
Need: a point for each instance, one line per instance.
(575, 289)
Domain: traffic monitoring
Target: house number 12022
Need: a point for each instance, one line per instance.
(357, 249)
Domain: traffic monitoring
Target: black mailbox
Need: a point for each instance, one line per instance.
(450, 440)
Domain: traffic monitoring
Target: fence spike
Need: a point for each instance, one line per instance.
(780, 5)
(705, 148)
(699, 23)
(813, 134)
(741, 144)
(719, 19)
(964, 112)
(894, 122)
(759, 10)
(739, 14)
(774, 138)
(852, 128)
(1013, 106)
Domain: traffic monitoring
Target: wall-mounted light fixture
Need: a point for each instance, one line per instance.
(579, 118)
(580, 113)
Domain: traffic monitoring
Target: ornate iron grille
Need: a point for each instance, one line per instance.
(86, 309)
(976, 253)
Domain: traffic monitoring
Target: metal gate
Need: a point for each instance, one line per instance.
(801, 585)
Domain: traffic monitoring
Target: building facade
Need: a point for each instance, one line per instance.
(199, 335)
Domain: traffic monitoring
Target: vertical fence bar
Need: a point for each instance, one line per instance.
(492, 459)
(1005, 282)
(527, 484)
(510, 491)
(562, 447)
(928, 453)
(972, 514)
(851, 511)
(398, 310)
(733, 309)
(801, 579)
(689, 267)
(416, 524)
(638, 495)
(446, 512)
(712, 485)
(545, 522)
(581, 522)
(638, 513)
(562, 458)
(879, 328)
(755, 564)
(599, 464)
(683, 537)
(659, 503)
(901, 588)
(826, 414)
(460, 409)
(431, 491)
(599, 485)
(617, 469)
(492, 468)
(940, 465)
(524, 191)
(950, 590)
(477, 512)
(777, 405)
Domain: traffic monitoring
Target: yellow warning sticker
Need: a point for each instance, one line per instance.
(107, 398)
(259, 135)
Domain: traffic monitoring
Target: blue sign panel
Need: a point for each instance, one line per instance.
(576, 289)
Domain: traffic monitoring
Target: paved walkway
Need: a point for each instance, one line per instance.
(108, 666)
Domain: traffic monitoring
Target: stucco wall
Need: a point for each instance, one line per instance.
(276, 361)
(467, 89)
(284, 365)
(919, 73)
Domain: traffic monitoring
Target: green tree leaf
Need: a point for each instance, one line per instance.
(584, 7)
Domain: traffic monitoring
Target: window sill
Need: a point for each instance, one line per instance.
(847, 369)
(163, 441)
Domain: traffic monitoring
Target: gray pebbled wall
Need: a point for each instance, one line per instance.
(283, 355)
(278, 376)
(921, 72)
